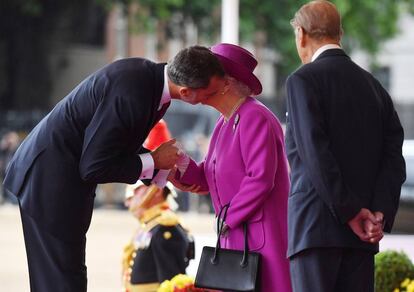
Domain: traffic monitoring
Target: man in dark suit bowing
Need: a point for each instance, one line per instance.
(92, 136)
(344, 145)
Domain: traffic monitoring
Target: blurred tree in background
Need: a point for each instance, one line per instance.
(30, 29)
(367, 24)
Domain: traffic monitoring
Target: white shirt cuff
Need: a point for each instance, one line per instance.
(161, 178)
(147, 166)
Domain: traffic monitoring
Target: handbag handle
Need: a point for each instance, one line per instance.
(214, 259)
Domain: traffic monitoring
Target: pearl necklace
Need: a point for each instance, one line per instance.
(234, 109)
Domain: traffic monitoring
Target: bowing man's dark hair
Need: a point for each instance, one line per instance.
(193, 67)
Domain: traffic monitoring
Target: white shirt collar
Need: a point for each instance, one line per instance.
(323, 49)
(165, 96)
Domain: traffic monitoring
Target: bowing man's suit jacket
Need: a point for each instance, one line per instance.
(92, 136)
(246, 167)
(344, 145)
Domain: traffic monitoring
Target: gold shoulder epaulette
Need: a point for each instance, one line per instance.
(127, 256)
(168, 218)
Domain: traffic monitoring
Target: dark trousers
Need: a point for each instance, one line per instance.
(54, 265)
(332, 270)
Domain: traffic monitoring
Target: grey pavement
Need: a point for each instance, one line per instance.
(109, 231)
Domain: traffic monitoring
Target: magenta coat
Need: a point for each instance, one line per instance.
(246, 167)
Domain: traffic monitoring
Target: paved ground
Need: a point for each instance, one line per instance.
(109, 231)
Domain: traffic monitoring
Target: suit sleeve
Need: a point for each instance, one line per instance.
(105, 157)
(259, 148)
(313, 144)
(392, 171)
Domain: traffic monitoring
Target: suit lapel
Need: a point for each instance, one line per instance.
(159, 86)
(161, 112)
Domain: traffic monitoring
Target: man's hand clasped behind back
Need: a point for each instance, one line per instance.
(368, 226)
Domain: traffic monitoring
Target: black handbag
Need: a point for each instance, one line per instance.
(227, 269)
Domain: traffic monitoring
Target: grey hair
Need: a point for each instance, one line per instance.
(319, 19)
(193, 67)
(241, 89)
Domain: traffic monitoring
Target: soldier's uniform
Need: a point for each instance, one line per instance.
(160, 250)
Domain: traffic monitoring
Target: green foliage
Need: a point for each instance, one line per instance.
(106, 4)
(366, 23)
(409, 5)
(173, 13)
(30, 8)
(370, 22)
(391, 268)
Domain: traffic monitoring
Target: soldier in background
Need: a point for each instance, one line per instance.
(160, 248)
(158, 135)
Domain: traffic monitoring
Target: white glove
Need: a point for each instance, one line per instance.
(184, 160)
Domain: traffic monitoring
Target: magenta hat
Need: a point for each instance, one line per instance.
(238, 63)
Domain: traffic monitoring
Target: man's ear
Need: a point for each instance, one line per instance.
(301, 36)
(184, 91)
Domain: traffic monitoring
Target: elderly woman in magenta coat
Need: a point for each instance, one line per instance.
(246, 168)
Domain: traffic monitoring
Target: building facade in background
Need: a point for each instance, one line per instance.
(395, 69)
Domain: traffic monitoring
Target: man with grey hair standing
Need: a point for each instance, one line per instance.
(344, 145)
